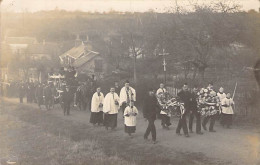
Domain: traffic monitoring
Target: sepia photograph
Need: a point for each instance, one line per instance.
(129, 82)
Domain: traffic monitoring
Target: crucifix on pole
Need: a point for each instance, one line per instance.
(164, 63)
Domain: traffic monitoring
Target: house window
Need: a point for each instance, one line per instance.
(98, 65)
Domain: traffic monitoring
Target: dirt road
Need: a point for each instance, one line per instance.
(226, 146)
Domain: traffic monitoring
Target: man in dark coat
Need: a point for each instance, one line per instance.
(194, 112)
(185, 97)
(67, 98)
(21, 92)
(47, 94)
(149, 113)
(39, 95)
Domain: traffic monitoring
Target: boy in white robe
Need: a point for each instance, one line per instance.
(97, 107)
(111, 106)
(127, 93)
(130, 114)
(227, 110)
(165, 118)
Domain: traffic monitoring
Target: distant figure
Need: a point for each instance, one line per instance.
(185, 97)
(210, 102)
(257, 71)
(21, 92)
(39, 95)
(227, 110)
(111, 106)
(194, 112)
(130, 114)
(127, 93)
(67, 98)
(117, 88)
(96, 116)
(149, 113)
(47, 95)
(165, 119)
(221, 95)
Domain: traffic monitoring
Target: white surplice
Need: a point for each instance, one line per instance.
(109, 103)
(227, 106)
(131, 119)
(96, 101)
(123, 95)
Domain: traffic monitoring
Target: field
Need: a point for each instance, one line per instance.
(32, 136)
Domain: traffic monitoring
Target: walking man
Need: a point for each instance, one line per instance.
(185, 97)
(149, 113)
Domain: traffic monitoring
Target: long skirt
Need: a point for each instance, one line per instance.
(110, 120)
(96, 117)
(130, 129)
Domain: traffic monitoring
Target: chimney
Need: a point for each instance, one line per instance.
(78, 41)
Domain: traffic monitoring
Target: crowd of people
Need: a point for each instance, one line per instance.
(204, 104)
(199, 103)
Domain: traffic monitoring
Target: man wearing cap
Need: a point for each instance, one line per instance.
(67, 98)
(127, 93)
(110, 109)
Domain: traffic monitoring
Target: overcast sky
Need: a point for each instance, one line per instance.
(106, 5)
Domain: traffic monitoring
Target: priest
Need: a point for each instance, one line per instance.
(110, 109)
(127, 93)
(96, 116)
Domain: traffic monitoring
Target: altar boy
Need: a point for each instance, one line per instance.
(130, 114)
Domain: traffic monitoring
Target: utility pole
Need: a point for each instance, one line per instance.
(164, 63)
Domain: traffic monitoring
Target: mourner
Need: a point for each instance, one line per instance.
(39, 95)
(21, 92)
(96, 116)
(47, 95)
(149, 113)
(211, 106)
(130, 114)
(227, 110)
(110, 109)
(185, 97)
(67, 99)
(127, 93)
(194, 112)
(165, 117)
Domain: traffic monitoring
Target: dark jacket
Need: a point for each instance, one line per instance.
(150, 107)
(67, 97)
(185, 97)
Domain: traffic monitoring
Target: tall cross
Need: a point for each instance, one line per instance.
(164, 63)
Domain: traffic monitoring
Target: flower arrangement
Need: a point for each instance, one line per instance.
(208, 102)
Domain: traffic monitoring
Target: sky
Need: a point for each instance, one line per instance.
(107, 5)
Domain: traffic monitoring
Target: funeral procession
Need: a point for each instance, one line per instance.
(130, 82)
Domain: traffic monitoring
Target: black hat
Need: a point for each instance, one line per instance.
(127, 81)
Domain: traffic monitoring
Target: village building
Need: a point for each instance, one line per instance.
(84, 59)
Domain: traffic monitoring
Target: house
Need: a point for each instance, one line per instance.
(84, 59)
